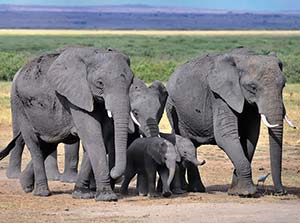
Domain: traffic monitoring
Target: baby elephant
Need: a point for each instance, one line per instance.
(145, 156)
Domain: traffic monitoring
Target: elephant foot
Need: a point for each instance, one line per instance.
(69, 177)
(198, 188)
(106, 194)
(53, 176)
(153, 195)
(83, 193)
(13, 173)
(42, 191)
(281, 192)
(27, 183)
(142, 194)
(178, 191)
(242, 189)
(166, 193)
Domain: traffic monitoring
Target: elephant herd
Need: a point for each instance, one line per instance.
(90, 96)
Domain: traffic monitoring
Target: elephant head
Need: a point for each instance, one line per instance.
(241, 77)
(165, 153)
(147, 105)
(187, 150)
(90, 77)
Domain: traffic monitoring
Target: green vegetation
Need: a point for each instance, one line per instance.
(153, 57)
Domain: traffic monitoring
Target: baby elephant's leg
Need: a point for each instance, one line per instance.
(129, 174)
(141, 184)
(164, 174)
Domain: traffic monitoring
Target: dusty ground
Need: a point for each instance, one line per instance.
(213, 206)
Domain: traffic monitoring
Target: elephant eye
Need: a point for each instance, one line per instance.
(135, 112)
(252, 88)
(100, 84)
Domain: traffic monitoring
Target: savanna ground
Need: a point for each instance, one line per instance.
(154, 55)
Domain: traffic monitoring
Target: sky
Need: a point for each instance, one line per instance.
(253, 5)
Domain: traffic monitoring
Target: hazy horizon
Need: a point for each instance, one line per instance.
(242, 5)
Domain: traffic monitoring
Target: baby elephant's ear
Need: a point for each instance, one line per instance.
(68, 76)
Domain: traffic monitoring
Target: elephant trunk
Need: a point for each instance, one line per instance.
(152, 129)
(120, 115)
(171, 166)
(197, 162)
(274, 115)
(275, 138)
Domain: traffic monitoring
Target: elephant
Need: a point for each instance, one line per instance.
(188, 156)
(147, 106)
(220, 99)
(146, 156)
(67, 95)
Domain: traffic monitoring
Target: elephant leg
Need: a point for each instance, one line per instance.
(164, 174)
(151, 180)
(129, 174)
(90, 133)
(176, 186)
(51, 166)
(227, 137)
(249, 126)
(194, 179)
(71, 163)
(82, 189)
(15, 160)
(182, 171)
(27, 178)
(31, 178)
(141, 184)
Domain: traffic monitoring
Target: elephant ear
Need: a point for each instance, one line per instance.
(68, 76)
(157, 151)
(224, 80)
(162, 93)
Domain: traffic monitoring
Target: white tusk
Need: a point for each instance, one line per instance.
(134, 119)
(141, 136)
(265, 121)
(109, 113)
(158, 136)
(286, 118)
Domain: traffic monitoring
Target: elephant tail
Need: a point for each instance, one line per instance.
(9, 147)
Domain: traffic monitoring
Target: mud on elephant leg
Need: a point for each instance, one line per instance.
(71, 163)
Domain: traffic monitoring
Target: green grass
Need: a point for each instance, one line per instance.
(153, 57)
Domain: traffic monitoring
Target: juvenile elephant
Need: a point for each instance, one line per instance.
(68, 95)
(146, 156)
(220, 99)
(188, 156)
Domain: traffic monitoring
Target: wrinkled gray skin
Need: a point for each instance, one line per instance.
(145, 156)
(188, 156)
(64, 96)
(147, 105)
(218, 99)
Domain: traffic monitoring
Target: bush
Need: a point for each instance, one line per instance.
(10, 63)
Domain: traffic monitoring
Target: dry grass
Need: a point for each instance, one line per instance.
(34, 32)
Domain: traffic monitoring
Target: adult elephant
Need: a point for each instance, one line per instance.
(147, 106)
(64, 96)
(221, 99)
